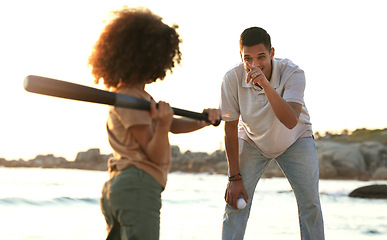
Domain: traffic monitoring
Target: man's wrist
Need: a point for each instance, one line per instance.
(265, 84)
(236, 177)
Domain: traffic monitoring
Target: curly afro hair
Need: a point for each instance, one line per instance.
(135, 47)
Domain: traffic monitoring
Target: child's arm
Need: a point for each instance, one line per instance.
(186, 125)
(155, 143)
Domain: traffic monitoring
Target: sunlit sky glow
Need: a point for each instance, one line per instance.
(341, 46)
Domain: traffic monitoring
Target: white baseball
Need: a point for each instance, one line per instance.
(241, 203)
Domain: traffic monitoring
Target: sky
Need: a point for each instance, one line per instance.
(341, 46)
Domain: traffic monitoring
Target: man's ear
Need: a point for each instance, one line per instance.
(272, 53)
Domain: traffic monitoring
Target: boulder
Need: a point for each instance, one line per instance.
(175, 151)
(215, 162)
(90, 155)
(197, 162)
(346, 159)
(49, 161)
(221, 167)
(371, 191)
(327, 170)
(375, 155)
(92, 159)
(380, 174)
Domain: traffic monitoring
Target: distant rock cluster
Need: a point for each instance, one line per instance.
(92, 159)
(363, 161)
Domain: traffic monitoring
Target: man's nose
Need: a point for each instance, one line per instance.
(255, 63)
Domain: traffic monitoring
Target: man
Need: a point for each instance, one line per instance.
(262, 102)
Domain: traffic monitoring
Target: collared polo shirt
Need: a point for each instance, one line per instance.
(257, 122)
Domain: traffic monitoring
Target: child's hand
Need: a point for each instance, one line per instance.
(213, 116)
(162, 114)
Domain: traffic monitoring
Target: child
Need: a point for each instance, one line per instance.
(136, 48)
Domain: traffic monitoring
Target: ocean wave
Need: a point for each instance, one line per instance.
(53, 201)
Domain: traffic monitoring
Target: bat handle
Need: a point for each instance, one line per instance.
(217, 122)
(123, 100)
(194, 115)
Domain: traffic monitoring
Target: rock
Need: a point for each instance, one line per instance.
(348, 162)
(371, 191)
(327, 170)
(92, 159)
(375, 155)
(175, 151)
(221, 167)
(49, 161)
(346, 159)
(91, 155)
(197, 161)
(217, 156)
(380, 174)
(215, 162)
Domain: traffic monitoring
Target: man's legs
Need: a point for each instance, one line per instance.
(300, 165)
(252, 166)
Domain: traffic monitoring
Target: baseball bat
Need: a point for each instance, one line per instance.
(68, 90)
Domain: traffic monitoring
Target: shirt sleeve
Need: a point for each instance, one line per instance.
(229, 104)
(295, 87)
(131, 117)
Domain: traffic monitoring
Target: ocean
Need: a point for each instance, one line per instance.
(59, 204)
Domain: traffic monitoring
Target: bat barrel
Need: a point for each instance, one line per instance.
(62, 89)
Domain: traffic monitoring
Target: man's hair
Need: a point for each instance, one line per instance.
(135, 47)
(253, 36)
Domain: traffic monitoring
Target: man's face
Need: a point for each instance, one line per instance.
(258, 56)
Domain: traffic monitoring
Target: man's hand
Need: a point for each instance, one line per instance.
(255, 75)
(233, 190)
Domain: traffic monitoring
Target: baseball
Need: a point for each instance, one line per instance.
(241, 203)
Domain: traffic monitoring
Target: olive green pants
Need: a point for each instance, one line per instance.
(131, 203)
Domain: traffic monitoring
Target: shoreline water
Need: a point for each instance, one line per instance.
(67, 204)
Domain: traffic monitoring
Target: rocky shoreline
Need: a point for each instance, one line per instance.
(361, 161)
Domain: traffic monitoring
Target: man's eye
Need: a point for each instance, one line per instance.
(261, 57)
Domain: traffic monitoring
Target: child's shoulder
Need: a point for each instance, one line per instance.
(134, 92)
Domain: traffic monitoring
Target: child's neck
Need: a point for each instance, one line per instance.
(139, 86)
